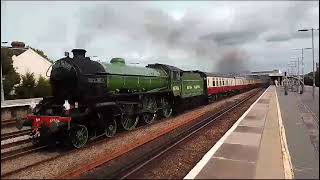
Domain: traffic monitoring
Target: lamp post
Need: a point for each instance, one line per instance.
(2, 91)
(291, 65)
(314, 75)
(296, 63)
(302, 64)
(298, 72)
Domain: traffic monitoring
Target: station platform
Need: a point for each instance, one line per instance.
(256, 147)
(300, 114)
(19, 102)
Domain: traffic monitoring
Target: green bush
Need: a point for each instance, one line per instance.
(27, 87)
(9, 75)
(42, 88)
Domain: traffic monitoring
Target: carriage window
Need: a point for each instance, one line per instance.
(175, 75)
(213, 83)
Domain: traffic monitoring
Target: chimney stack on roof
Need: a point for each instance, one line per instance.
(17, 44)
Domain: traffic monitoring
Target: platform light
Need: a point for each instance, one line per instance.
(302, 63)
(314, 75)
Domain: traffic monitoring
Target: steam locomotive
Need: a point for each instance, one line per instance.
(90, 99)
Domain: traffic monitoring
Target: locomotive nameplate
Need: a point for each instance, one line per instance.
(196, 87)
(96, 80)
(176, 88)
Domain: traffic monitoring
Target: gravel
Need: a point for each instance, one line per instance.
(12, 148)
(177, 162)
(121, 142)
(16, 139)
(12, 129)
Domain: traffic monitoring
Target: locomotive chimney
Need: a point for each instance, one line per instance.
(79, 53)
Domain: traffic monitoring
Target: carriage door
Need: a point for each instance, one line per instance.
(176, 83)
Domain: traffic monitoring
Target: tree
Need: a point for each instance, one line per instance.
(41, 53)
(11, 77)
(26, 88)
(42, 88)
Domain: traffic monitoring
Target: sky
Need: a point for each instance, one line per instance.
(211, 36)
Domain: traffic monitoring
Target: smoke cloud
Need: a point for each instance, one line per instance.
(148, 32)
(234, 60)
(152, 33)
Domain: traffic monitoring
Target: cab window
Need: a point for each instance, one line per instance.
(175, 76)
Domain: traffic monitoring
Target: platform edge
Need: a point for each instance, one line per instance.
(195, 170)
(286, 158)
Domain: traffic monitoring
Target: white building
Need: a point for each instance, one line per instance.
(32, 62)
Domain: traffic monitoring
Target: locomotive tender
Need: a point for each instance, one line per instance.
(92, 99)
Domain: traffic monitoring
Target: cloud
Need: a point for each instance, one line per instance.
(286, 36)
(149, 30)
(233, 37)
(205, 36)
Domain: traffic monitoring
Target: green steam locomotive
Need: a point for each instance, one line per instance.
(91, 99)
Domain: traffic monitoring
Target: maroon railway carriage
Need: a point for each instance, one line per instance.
(220, 85)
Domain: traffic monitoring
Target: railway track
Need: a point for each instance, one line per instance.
(8, 122)
(16, 143)
(174, 142)
(15, 134)
(20, 151)
(118, 174)
(48, 158)
(163, 143)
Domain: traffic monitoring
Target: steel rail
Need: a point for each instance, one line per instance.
(8, 122)
(29, 166)
(15, 134)
(16, 143)
(134, 167)
(19, 152)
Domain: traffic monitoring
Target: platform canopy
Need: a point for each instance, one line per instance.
(272, 73)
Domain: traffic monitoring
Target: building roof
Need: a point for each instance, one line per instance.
(274, 72)
(14, 51)
(31, 61)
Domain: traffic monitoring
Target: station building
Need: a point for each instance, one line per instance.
(271, 76)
